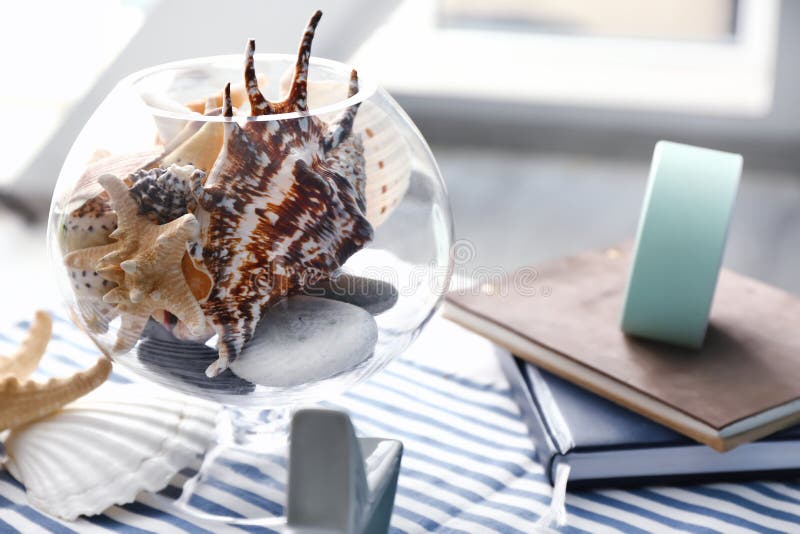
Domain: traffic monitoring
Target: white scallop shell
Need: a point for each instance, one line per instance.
(107, 447)
(387, 156)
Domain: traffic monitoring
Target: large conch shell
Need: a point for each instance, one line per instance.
(283, 199)
(106, 448)
(283, 202)
(23, 401)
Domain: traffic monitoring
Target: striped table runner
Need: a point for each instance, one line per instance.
(469, 465)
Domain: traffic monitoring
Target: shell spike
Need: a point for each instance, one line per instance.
(218, 366)
(115, 296)
(344, 124)
(227, 105)
(258, 104)
(352, 87)
(136, 295)
(228, 348)
(231, 129)
(206, 197)
(298, 94)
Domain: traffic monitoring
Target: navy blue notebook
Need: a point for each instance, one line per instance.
(606, 444)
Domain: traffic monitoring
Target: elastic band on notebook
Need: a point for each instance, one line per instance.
(551, 412)
(556, 515)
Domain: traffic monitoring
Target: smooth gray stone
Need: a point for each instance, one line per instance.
(305, 339)
(165, 355)
(375, 296)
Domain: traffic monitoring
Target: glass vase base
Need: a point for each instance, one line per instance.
(242, 479)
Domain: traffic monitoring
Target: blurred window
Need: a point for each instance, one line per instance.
(53, 52)
(715, 57)
(708, 20)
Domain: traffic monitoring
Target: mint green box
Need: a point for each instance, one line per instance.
(680, 242)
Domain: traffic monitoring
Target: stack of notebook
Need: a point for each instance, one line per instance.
(624, 409)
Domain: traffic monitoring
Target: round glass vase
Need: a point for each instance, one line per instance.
(396, 277)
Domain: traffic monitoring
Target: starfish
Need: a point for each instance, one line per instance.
(23, 401)
(145, 263)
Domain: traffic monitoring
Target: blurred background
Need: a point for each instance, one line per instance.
(542, 114)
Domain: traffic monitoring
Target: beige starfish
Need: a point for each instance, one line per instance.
(26, 358)
(145, 263)
(23, 401)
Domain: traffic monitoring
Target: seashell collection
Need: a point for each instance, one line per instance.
(226, 219)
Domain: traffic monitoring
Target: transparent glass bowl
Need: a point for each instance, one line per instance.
(406, 205)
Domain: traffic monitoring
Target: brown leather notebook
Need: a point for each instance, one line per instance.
(743, 384)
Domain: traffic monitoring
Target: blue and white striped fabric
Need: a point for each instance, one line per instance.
(469, 465)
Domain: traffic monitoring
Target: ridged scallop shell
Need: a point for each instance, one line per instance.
(104, 449)
(386, 154)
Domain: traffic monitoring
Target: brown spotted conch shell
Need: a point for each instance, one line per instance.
(284, 202)
(22, 400)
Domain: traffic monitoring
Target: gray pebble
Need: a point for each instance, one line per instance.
(305, 339)
(375, 296)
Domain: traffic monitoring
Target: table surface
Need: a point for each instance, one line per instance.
(469, 464)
